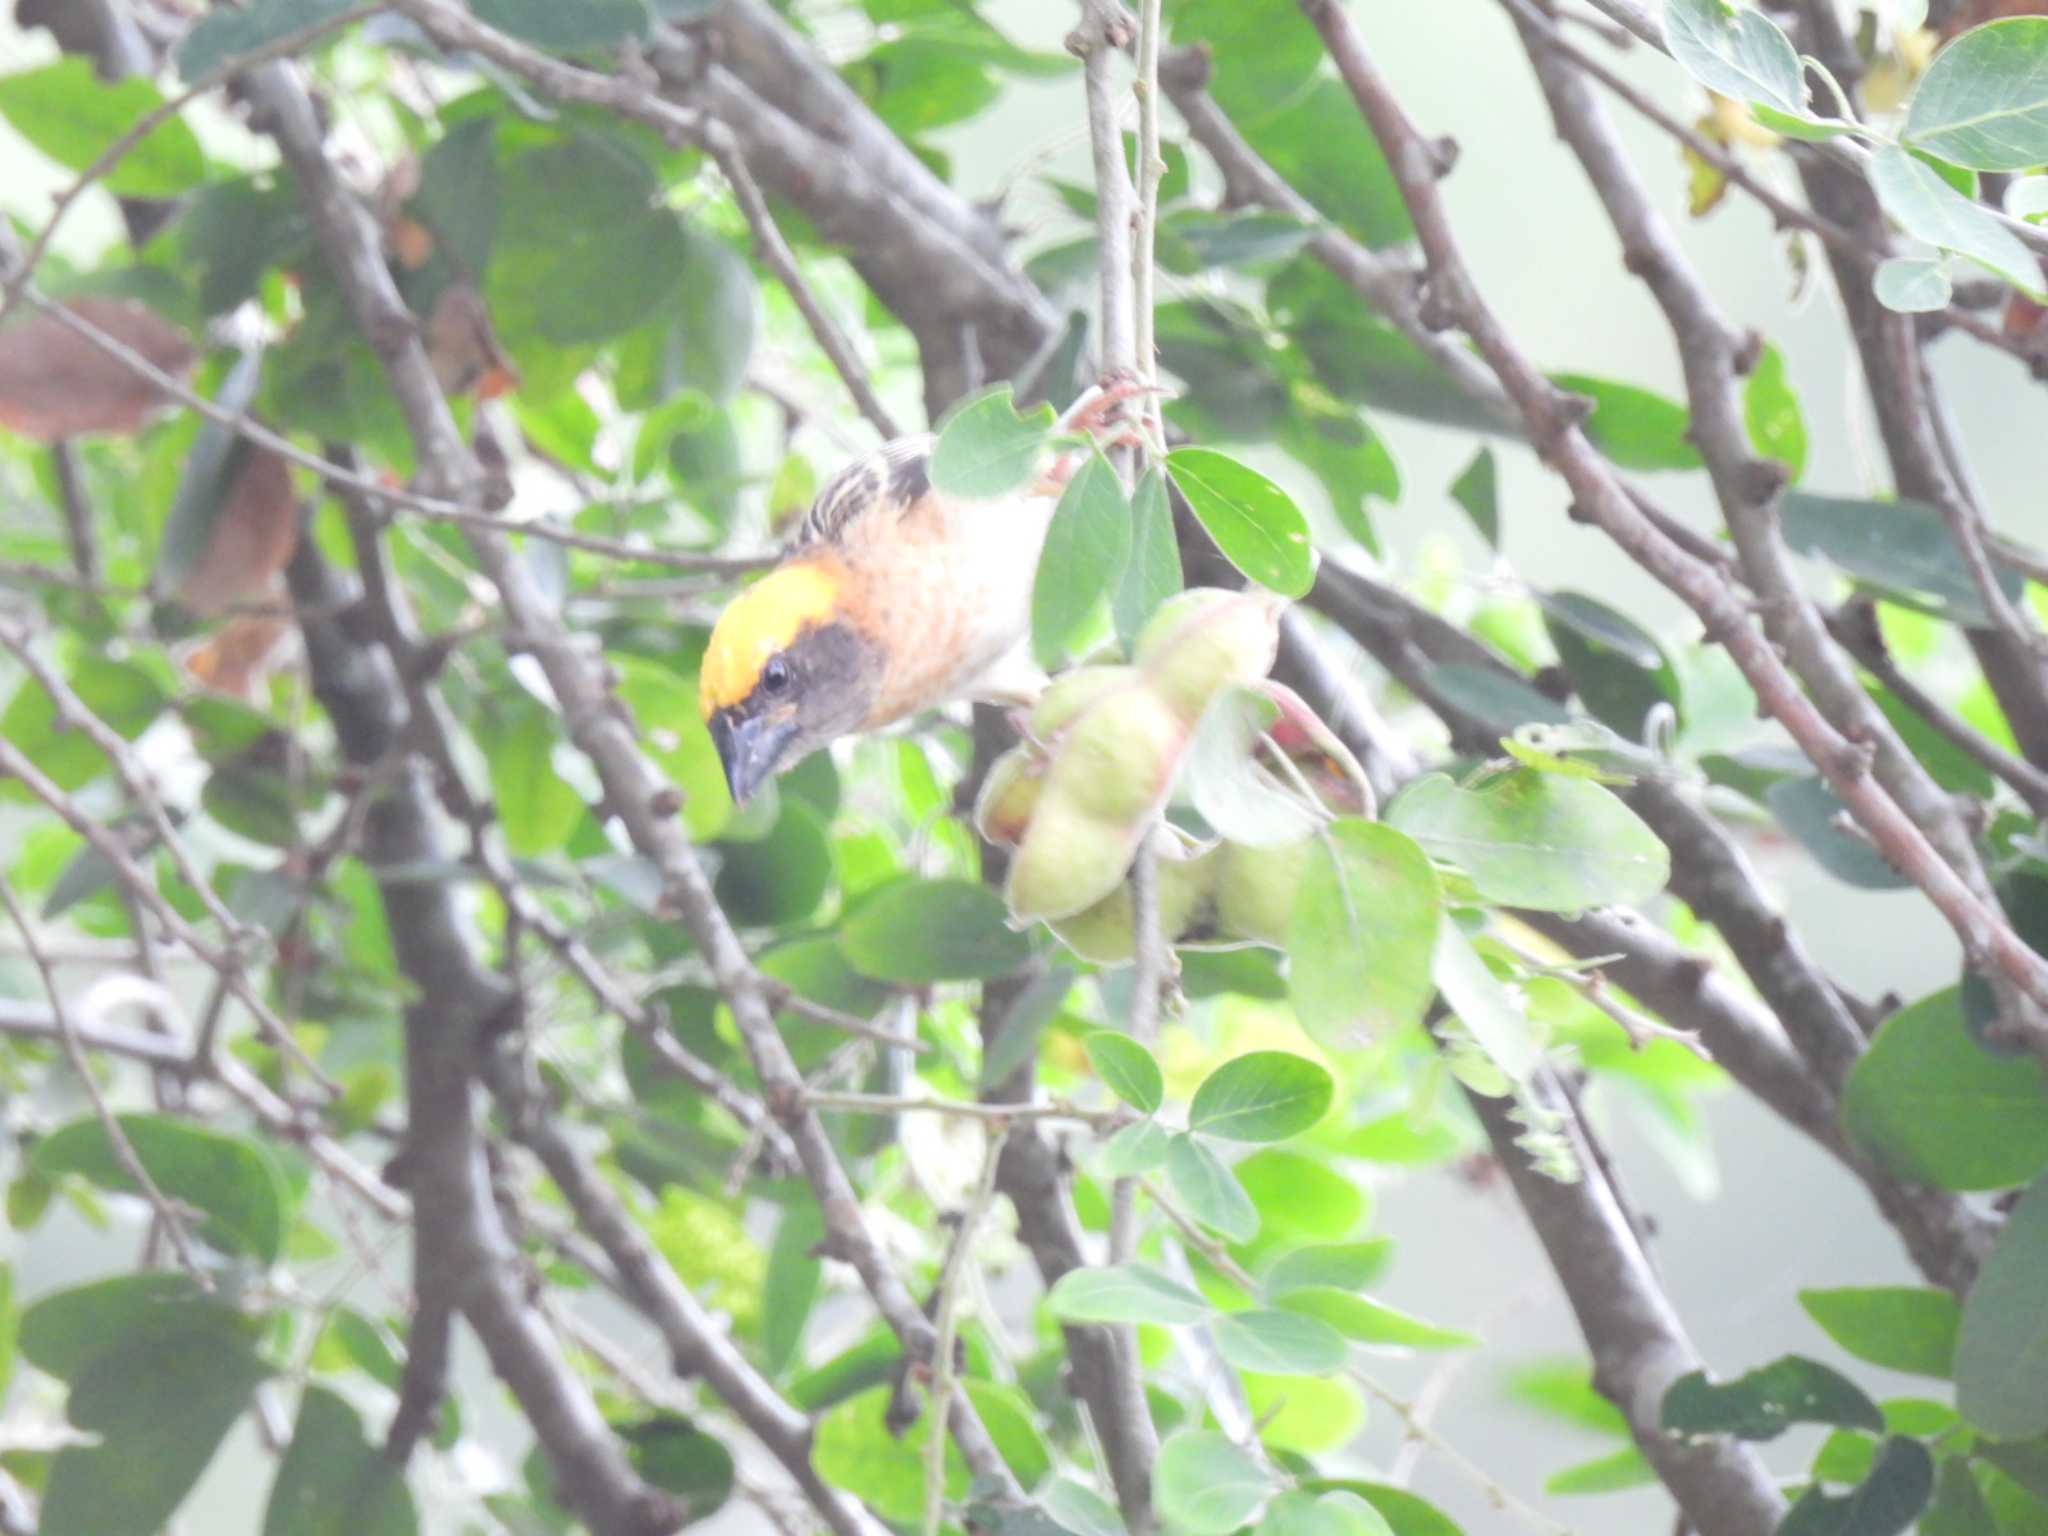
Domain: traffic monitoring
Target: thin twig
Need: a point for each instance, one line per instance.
(775, 251)
(170, 1222)
(965, 1109)
(1151, 169)
(946, 1322)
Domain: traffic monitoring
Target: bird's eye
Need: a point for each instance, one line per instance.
(775, 676)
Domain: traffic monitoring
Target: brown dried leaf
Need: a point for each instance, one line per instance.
(54, 383)
(238, 658)
(253, 537)
(464, 348)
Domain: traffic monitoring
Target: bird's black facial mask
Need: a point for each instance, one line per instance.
(807, 695)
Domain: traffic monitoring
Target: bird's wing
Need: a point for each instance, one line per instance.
(892, 479)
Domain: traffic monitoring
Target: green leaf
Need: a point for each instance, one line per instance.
(675, 1456)
(536, 806)
(1318, 143)
(1362, 358)
(1808, 809)
(919, 931)
(229, 1178)
(1477, 490)
(1536, 840)
(1229, 787)
(1124, 1293)
(1901, 547)
(1503, 701)
(1767, 1401)
(1983, 102)
(1255, 523)
(459, 194)
(589, 24)
(1301, 1196)
(1280, 1343)
(1885, 1503)
(1209, 1189)
(1087, 545)
(2002, 1349)
(1351, 460)
(782, 878)
(70, 114)
(1134, 1150)
(1625, 1468)
(1362, 933)
(63, 1333)
(674, 736)
(1636, 428)
(1736, 51)
(1617, 667)
(1487, 1009)
(1195, 239)
(986, 448)
(1340, 1266)
(1564, 1390)
(1901, 1327)
(219, 35)
(1958, 1507)
(1261, 1096)
(332, 1481)
(1302, 1513)
(1934, 1106)
(1081, 1511)
(853, 1448)
(1913, 285)
(1151, 573)
(790, 1287)
(159, 1402)
(1206, 1484)
(1264, 51)
(1928, 208)
(1127, 1069)
(1770, 410)
(1407, 1513)
(125, 696)
(1371, 1322)
(10, 1326)
(1008, 1414)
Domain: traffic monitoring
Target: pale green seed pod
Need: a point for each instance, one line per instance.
(1256, 887)
(1206, 640)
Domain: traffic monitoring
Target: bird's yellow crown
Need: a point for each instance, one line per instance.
(761, 621)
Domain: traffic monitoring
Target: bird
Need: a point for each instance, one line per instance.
(891, 597)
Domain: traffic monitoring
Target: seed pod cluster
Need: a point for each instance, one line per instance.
(1104, 749)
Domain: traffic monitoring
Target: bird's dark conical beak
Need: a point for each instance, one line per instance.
(749, 747)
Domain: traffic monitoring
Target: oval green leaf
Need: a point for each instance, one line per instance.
(1127, 1069)
(1362, 932)
(1280, 1343)
(1255, 523)
(2002, 1348)
(1207, 1484)
(1933, 1105)
(919, 931)
(1124, 1293)
(1261, 1096)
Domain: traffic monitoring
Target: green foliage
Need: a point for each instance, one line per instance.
(988, 447)
(1767, 1401)
(332, 1481)
(73, 116)
(1264, 1096)
(1208, 1485)
(1935, 1105)
(1903, 1328)
(1538, 840)
(1253, 521)
(233, 1181)
(1364, 925)
(2004, 1333)
(1087, 546)
(1984, 101)
(1127, 1069)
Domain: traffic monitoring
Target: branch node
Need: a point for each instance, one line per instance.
(1761, 480)
(1443, 155)
(1749, 350)
(666, 801)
